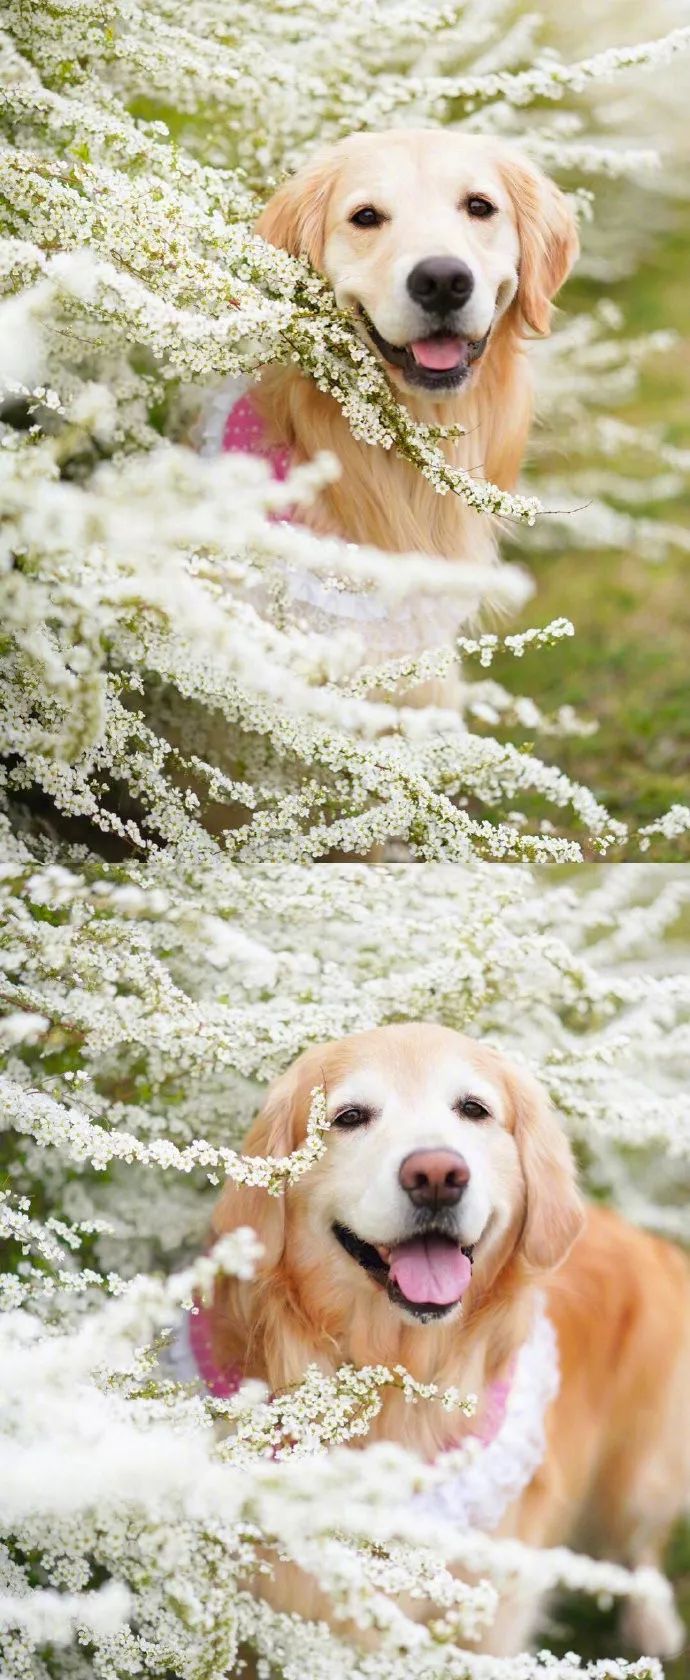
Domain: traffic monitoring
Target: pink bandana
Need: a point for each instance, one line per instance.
(244, 431)
(222, 1383)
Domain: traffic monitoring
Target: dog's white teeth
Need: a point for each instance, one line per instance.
(384, 1252)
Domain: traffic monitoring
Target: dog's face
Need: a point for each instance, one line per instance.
(421, 1170)
(440, 1158)
(421, 239)
(428, 237)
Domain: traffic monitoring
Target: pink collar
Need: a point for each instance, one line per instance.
(223, 1383)
(244, 432)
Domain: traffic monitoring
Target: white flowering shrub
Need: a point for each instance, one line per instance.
(170, 709)
(145, 1008)
(179, 667)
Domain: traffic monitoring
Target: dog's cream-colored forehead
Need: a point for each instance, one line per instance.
(398, 163)
(404, 1058)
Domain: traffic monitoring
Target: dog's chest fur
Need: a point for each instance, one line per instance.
(382, 499)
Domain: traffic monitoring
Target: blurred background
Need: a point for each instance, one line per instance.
(627, 666)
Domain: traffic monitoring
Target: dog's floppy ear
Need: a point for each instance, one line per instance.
(295, 217)
(548, 237)
(243, 1204)
(554, 1214)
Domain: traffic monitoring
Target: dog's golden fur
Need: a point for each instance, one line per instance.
(379, 497)
(617, 1468)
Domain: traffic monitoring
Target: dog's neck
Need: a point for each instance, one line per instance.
(265, 1331)
(382, 499)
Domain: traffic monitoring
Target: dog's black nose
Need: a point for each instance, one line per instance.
(440, 284)
(434, 1177)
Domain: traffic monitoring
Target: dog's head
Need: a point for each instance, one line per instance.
(442, 1158)
(430, 237)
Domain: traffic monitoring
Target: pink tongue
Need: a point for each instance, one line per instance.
(439, 352)
(429, 1269)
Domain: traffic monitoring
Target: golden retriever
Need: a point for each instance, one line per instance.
(446, 247)
(445, 1198)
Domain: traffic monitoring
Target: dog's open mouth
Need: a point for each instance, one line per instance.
(428, 1274)
(441, 361)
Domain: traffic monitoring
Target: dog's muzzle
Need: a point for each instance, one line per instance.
(426, 1274)
(440, 361)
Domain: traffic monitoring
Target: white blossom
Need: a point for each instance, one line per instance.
(190, 685)
(149, 1066)
(123, 576)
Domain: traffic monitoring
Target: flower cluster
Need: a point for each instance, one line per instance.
(146, 1006)
(189, 684)
(182, 667)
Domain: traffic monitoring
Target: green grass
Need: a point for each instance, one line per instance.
(678, 1564)
(627, 666)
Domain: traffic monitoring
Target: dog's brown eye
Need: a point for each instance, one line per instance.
(473, 1110)
(480, 207)
(350, 1117)
(367, 217)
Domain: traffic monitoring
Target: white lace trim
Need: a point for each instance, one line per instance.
(176, 1360)
(478, 1495)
